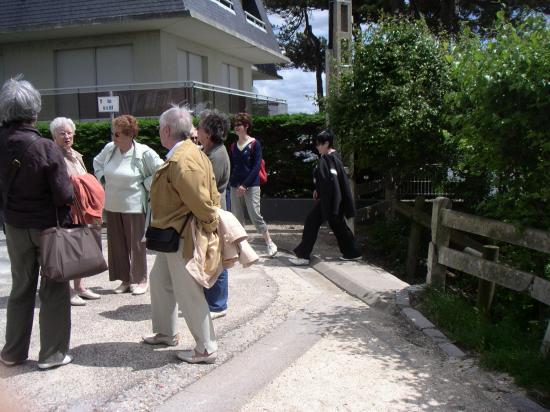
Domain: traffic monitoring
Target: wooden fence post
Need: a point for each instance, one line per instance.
(414, 239)
(486, 289)
(545, 348)
(440, 238)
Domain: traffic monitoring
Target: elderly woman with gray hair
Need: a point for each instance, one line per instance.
(211, 133)
(63, 131)
(36, 192)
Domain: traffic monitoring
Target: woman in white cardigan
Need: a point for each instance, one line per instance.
(126, 169)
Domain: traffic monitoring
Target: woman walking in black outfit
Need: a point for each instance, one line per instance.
(334, 202)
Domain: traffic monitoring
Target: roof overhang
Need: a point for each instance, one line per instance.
(194, 27)
(259, 74)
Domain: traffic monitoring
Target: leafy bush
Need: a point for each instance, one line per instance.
(286, 140)
(499, 123)
(387, 108)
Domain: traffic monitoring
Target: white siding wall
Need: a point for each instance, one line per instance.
(115, 65)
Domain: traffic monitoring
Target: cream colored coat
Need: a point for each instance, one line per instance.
(234, 246)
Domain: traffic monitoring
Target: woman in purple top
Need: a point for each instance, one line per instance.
(246, 157)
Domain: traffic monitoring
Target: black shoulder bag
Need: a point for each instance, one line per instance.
(164, 240)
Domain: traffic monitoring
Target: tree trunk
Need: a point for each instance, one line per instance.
(448, 16)
(316, 43)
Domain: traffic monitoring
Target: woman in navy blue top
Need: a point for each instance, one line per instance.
(246, 158)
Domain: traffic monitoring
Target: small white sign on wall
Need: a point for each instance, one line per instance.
(107, 104)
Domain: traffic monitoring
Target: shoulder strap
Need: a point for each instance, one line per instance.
(14, 168)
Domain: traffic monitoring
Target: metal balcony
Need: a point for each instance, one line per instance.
(151, 99)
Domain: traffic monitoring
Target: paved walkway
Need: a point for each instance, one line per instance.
(292, 340)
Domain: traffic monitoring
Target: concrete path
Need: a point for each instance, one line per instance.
(292, 340)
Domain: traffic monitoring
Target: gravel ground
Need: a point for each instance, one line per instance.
(365, 359)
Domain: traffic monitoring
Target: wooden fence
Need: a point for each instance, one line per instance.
(473, 257)
(485, 267)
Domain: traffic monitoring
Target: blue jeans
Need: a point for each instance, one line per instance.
(216, 296)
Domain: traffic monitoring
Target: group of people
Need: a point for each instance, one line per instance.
(140, 190)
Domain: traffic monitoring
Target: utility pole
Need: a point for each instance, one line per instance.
(340, 25)
(339, 38)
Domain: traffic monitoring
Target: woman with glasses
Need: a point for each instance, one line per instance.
(126, 169)
(246, 157)
(63, 130)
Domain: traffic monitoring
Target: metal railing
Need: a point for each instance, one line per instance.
(250, 18)
(151, 99)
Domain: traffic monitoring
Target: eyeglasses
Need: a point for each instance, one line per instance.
(238, 124)
(63, 133)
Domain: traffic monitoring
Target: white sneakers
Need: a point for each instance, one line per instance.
(271, 249)
(296, 261)
(77, 297)
(122, 288)
(134, 288)
(140, 288)
(160, 339)
(190, 356)
(216, 315)
(48, 365)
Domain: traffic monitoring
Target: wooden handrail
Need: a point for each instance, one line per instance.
(531, 238)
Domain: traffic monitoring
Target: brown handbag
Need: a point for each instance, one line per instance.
(68, 253)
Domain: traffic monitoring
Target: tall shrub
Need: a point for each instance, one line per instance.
(387, 107)
(286, 140)
(500, 121)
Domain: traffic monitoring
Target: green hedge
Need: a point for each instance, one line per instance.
(286, 140)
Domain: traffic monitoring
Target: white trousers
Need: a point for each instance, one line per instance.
(172, 286)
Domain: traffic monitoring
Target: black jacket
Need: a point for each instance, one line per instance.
(40, 184)
(332, 185)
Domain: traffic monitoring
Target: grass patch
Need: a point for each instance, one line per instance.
(508, 344)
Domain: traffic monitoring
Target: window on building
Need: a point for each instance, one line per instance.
(97, 66)
(191, 66)
(231, 76)
(94, 66)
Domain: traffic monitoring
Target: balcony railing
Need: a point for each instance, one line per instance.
(151, 99)
(251, 19)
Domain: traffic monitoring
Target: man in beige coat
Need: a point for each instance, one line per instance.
(184, 184)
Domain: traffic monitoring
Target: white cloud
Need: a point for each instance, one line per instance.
(298, 88)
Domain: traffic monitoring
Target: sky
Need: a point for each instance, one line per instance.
(297, 87)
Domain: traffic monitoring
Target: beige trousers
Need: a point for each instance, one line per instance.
(172, 286)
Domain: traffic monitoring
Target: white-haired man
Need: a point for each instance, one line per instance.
(184, 184)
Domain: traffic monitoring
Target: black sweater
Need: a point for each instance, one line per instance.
(40, 184)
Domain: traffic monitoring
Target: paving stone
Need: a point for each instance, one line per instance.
(452, 350)
(436, 335)
(417, 319)
(402, 298)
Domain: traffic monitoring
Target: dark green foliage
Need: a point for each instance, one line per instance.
(508, 344)
(92, 136)
(286, 141)
(388, 107)
(499, 121)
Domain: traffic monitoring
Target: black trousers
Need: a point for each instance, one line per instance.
(344, 236)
